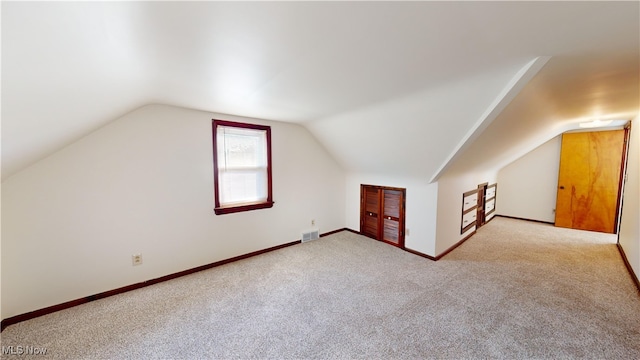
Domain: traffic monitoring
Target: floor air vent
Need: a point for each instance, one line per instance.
(312, 235)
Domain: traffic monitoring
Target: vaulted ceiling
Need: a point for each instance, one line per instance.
(401, 87)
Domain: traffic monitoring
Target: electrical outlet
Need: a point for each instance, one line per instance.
(313, 222)
(406, 231)
(136, 259)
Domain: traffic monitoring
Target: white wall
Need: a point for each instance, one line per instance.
(420, 207)
(451, 186)
(433, 213)
(629, 236)
(528, 187)
(144, 184)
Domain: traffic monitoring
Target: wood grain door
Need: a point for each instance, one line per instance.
(589, 180)
(370, 211)
(382, 213)
(393, 201)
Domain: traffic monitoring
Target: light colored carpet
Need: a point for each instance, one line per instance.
(515, 290)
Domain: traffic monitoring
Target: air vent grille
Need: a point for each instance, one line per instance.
(312, 235)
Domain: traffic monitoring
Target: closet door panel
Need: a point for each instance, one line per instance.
(370, 216)
(392, 209)
(391, 231)
(382, 213)
(371, 226)
(392, 203)
(372, 200)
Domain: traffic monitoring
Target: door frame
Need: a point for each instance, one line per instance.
(623, 178)
(480, 215)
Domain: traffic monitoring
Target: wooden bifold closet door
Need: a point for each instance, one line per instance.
(382, 213)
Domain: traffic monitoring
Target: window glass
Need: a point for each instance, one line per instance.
(242, 166)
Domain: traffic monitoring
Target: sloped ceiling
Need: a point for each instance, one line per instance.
(374, 81)
(556, 101)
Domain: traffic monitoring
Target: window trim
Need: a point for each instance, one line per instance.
(228, 209)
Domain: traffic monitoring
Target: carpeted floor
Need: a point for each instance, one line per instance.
(515, 290)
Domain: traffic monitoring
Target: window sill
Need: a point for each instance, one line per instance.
(242, 207)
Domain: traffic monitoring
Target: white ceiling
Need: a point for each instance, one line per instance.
(415, 77)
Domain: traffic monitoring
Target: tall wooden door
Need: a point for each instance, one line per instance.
(393, 212)
(382, 213)
(370, 211)
(589, 180)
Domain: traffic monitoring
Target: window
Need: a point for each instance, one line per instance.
(242, 167)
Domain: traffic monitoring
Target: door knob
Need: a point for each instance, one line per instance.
(561, 187)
